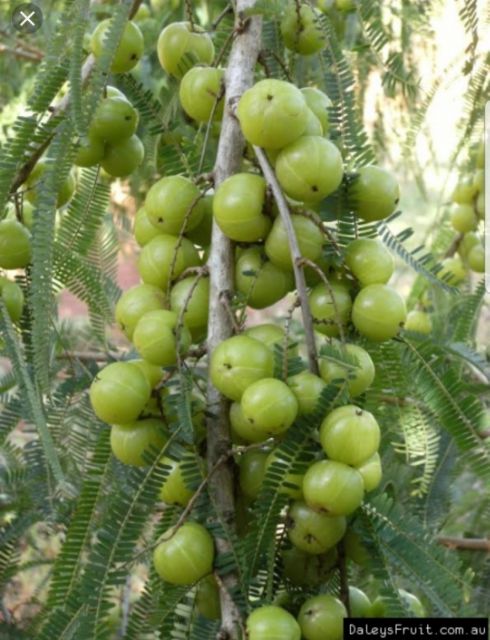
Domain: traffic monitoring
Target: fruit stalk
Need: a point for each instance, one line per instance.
(239, 76)
(299, 275)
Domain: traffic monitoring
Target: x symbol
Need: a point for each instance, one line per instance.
(27, 19)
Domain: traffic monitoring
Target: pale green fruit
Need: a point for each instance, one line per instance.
(307, 387)
(357, 368)
(418, 321)
(371, 471)
(476, 259)
(319, 103)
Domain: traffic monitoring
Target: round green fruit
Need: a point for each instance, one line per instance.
(319, 103)
(129, 50)
(331, 308)
(301, 30)
(374, 193)
(114, 120)
(270, 334)
(290, 482)
(313, 531)
(465, 191)
(129, 442)
(208, 598)
(121, 159)
(463, 218)
(307, 387)
(313, 128)
(200, 93)
(152, 372)
(468, 241)
(360, 604)
(309, 237)
(369, 261)
(378, 608)
(270, 406)
(476, 259)
(172, 203)
(334, 487)
(181, 45)
(452, 271)
(322, 617)
(309, 169)
(238, 207)
(354, 549)
(305, 569)
(155, 337)
(272, 114)
(119, 393)
(175, 490)
(418, 321)
(143, 229)
(345, 5)
(12, 297)
(272, 623)
(371, 472)
(350, 435)
(201, 235)
(252, 470)
(15, 245)
(242, 430)
(185, 555)
(90, 152)
(378, 312)
(135, 303)
(357, 368)
(164, 258)
(237, 363)
(259, 280)
(195, 298)
(412, 603)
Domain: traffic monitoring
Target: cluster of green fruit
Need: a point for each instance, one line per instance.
(112, 141)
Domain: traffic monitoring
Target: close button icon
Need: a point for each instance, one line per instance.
(27, 18)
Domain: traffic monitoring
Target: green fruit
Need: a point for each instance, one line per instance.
(331, 308)
(35, 182)
(378, 608)
(350, 435)
(152, 372)
(374, 193)
(114, 120)
(360, 604)
(301, 30)
(345, 5)
(155, 337)
(195, 298)
(238, 205)
(479, 180)
(135, 303)
(237, 363)
(164, 258)
(309, 169)
(313, 531)
(307, 387)
(319, 103)
(15, 245)
(272, 114)
(334, 487)
(413, 604)
(90, 152)
(270, 334)
(119, 393)
(305, 569)
(452, 271)
(259, 280)
(465, 191)
(123, 158)
(313, 128)
(270, 406)
(463, 218)
(291, 482)
(12, 297)
(371, 472)
(208, 598)
(185, 555)
(199, 91)
(354, 365)
(143, 13)
(309, 237)
(322, 617)
(143, 229)
(468, 241)
(242, 429)
(369, 261)
(418, 321)
(252, 470)
(175, 490)
(129, 50)
(480, 205)
(181, 45)
(272, 623)
(354, 549)
(476, 259)
(378, 312)
(172, 203)
(201, 235)
(129, 442)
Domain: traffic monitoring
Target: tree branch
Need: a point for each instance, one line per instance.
(239, 76)
(296, 257)
(472, 544)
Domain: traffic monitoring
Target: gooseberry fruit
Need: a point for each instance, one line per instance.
(272, 623)
(319, 103)
(114, 120)
(15, 245)
(155, 337)
(307, 387)
(334, 487)
(309, 237)
(129, 442)
(378, 312)
(270, 406)
(463, 218)
(90, 152)
(305, 569)
(259, 280)
(181, 45)
(322, 617)
(252, 470)
(195, 298)
(369, 261)
(374, 193)
(134, 303)
(313, 531)
(129, 50)
(331, 308)
(301, 31)
(360, 605)
(349, 435)
(162, 259)
(476, 259)
(121, 159)
(175, 490)
(418, 321)
(357, 368)
(452, 271)
(200, 93)
(371, 472)
(173, 202)
(13, 298)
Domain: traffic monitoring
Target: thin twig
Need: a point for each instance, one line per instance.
(470, 544)
(296, 257)
(21, 53)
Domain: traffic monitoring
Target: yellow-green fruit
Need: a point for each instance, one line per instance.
(134, 303)
(174, 202)
(453, 271)
(130, 442)
(129, 50)
(12, 297)
(468, 241)
(152, 372)
(374, 193)
(181, 46)
(291, 482)
(175, 490)
(331, 308)
(301, 30)
(319, 103)
(480, 205)
(355, 366)
(90, 152)
(208, 598)
(120, 160)
(143, 229)
(463, 218)
(15, 245)
(307, 387)
(476, 259)
(371, 472)
(200, 93)
(464, 192)
(418, 321)
(164, 258)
